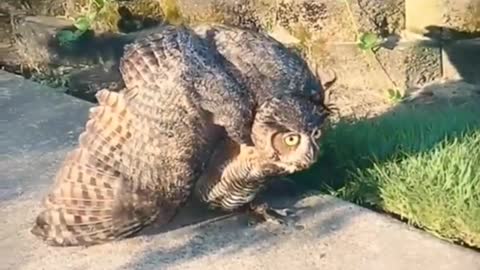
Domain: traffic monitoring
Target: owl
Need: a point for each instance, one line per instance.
(288, 121)
(186, 104)
(286, 134)
(143, 147)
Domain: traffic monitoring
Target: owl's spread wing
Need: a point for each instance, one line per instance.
(178, 54)
(269, 66)
(88, 203)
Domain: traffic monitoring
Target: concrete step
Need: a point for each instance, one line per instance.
(39, 125)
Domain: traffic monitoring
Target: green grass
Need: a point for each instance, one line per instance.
(422, 164)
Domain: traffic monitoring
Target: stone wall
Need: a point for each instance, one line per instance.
(326, 30)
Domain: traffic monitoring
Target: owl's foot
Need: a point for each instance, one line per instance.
(259, 213)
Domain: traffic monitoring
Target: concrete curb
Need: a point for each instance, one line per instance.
(39, 126)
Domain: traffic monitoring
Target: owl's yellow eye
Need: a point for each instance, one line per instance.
(292, 139)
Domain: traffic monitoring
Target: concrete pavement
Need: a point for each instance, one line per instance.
(38, 126)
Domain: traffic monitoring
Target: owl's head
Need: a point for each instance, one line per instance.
(287, 131)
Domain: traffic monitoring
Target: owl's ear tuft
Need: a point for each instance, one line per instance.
(327, 78)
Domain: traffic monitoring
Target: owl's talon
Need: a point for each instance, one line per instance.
(263, 213)
(285, 212)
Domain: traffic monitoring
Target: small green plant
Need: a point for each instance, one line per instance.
(369, 41)
(395, 95)
(84, 22)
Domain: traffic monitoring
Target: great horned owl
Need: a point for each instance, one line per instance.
(285, 133)
(287, 123)
(143, 147)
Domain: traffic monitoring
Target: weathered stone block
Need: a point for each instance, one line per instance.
(35, 37)
(8, 55)
(38, 46)
(420, 14)
(460, 15)
(328, 29)
(409, 64)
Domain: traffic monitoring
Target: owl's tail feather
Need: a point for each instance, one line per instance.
(90, 202)
(87, 206)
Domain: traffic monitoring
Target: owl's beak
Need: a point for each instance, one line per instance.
(305, 165)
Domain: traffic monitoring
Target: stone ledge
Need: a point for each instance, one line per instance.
(330, 24)
(409, 64)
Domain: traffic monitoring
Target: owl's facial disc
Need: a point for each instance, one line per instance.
(287, 130)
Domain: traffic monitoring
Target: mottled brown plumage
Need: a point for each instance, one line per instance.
(267, 67)
(290, 100)
(285, 135)
(186, 96)
(143, 147)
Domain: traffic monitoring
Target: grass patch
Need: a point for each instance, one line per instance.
(422, 164)
(438, 190)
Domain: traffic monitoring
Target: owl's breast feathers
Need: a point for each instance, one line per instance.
(235, 175)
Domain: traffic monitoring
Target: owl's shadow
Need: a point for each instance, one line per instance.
(206, 235)
(280, 193)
